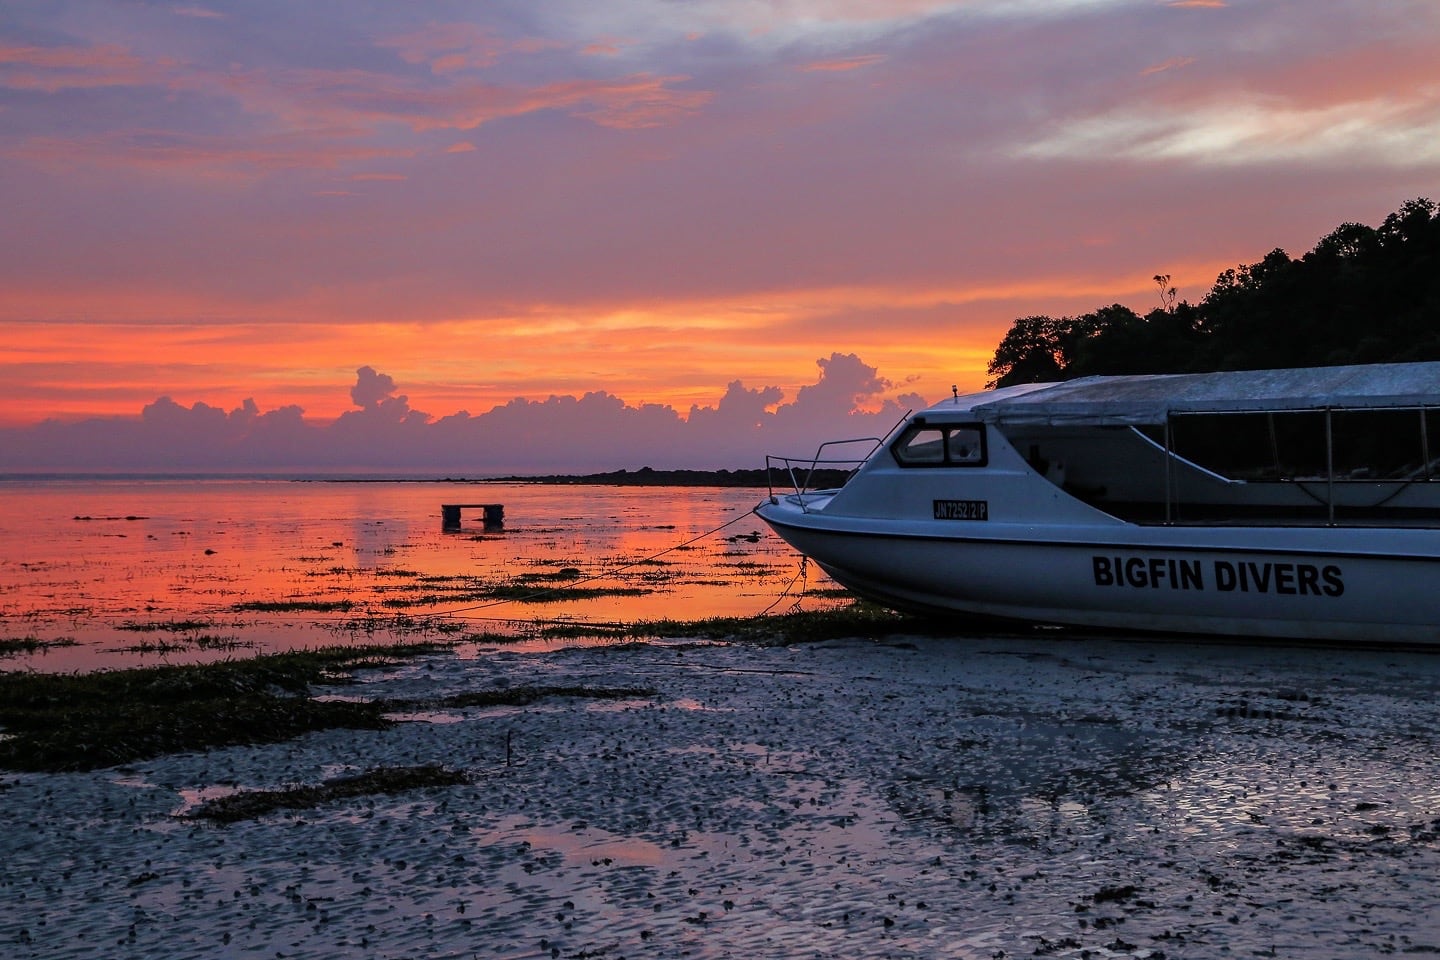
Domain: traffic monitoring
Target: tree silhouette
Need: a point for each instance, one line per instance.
(1167, 292)
(1362, 295)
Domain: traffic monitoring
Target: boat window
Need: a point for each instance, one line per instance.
(934, 445)
(1291, 445)
(1382, 445)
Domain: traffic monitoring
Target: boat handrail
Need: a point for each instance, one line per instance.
(1161, 449)
(794, 467)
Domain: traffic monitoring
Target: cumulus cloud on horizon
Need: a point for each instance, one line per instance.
(596, 432)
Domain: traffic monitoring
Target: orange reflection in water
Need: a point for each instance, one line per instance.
(106, 573)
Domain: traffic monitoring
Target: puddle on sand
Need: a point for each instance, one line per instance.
(579, 844)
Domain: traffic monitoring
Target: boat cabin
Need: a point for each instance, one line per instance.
(1330, 445)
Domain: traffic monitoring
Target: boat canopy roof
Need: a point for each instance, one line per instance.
(1150, 399)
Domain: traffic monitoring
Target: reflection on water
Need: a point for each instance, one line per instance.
(114, 573)
(580, 844)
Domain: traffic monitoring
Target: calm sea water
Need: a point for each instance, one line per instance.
(125, 572)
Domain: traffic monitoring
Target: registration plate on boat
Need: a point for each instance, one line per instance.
(962, 510)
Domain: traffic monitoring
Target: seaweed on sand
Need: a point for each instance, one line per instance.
(858, 619)
(522, 695)
(250, 804)
(59, 722)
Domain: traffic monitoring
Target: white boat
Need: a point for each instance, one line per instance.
(1275, 503)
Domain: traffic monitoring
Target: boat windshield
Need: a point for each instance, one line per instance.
(941, 445)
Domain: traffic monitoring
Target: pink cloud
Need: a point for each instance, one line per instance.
(366, 99)
(449, 47)
(53, 69)
(318, 117)
(1392, 72)
(601, 431)
(632, 102)
(202, 13)
(216, 156)
(1174, 63)
(601, 49)
(844, 64)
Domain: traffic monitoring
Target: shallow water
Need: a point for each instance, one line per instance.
(112, 573)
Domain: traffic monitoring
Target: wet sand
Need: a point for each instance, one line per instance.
(913, 798)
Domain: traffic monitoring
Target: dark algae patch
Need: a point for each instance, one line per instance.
(855, 620)
(295, 606)
(10, 646)
(250, 804)
(523, 695)
(531, 593)
(56, 722)
(166, 626)
(71, 722)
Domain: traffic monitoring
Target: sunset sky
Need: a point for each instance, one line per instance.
(213, 201)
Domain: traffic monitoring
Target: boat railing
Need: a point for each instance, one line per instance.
(809, 477)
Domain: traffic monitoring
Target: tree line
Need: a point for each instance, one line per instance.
(1362, 295)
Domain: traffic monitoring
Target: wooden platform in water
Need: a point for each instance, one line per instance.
(494, 515)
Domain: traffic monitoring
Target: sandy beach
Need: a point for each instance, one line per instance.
(917, 797)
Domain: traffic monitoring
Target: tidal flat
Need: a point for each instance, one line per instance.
(581, 738)
(889, 795)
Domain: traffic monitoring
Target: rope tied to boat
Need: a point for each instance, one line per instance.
(803, 576)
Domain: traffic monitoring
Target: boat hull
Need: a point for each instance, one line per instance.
(1339, 585)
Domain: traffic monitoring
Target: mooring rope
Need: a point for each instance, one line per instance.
(801, 575)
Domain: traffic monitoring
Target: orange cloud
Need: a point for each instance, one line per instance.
(140, 345)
